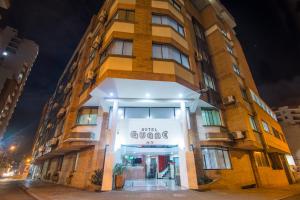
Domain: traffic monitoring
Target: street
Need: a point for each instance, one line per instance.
(10, 190)
(13, 190)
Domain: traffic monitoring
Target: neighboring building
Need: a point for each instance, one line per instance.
(4, 4)
(17, 56)
(163, 88)
(289, 119)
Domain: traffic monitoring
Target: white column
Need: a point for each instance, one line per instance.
(184, 126)
(188, 176)
(110, 154)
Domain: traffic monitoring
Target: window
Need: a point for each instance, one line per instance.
(244, 93)
(175, 5)
(87, 116)
(253, 123)
(125, 15)
(137, 113)
(211, 117)
(163, 51)
(263, 106)
(147, 112)
(260, 159)
(161, 113)
(118, 47)
(166, 20)
(229, 49)
(265, 126)
(236, 69)
(275, 161)
(216, 158)
(209, 81)
(278, 134)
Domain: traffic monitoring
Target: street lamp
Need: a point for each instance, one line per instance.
(12, 148)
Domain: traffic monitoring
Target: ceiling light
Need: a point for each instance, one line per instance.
(5, 53)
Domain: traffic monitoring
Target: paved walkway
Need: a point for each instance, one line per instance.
(46, 191)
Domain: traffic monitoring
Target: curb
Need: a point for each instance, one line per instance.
(25, 189)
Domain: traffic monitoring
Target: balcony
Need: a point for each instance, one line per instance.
(168, 32)
(167, 6)
(172, 68)
(215, 133)
(81, 137)
(275, 144)
(118, 27)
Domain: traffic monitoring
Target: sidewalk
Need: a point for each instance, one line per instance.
(46, 191)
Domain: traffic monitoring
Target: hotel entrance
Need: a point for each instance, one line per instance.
(151, 167)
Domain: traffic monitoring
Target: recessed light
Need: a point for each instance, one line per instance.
(5, 53)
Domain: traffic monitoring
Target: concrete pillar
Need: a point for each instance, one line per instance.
(188, 175)
(110, 151)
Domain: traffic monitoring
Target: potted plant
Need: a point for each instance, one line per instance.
(97, 178)
(119, 176)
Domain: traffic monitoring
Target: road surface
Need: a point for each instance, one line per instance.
(11, 190)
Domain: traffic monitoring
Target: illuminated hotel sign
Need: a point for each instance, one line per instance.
(149, 132)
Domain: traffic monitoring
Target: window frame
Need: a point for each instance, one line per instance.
(175, 4)
(127, 15)
(170, 50)
(108, 50)
(209, 115)
(169, 23)
(91, 111)
(253, 123)
(226, 159)
(265, 126)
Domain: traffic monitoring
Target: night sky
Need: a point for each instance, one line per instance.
(269, 31)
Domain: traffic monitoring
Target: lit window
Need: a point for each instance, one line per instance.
(211, 117)
(260, 159)
(168, 52)
(166, 20)
(87, 116)
(253, 123)
(216, 158)
(229, 49)
(275, 161)
(265, 126)
(236, 69)
(118, 47)
(209, 81)
(175, 5)
(125, 15)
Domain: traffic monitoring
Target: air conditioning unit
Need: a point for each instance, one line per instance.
(229, 100)
(238, 135)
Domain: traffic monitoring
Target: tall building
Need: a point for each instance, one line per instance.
(289, 119)
(162, 88)
(17, 56)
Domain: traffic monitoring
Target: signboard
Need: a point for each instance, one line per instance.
(149, 132)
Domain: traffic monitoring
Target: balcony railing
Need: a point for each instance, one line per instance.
(81, 137)
(215, 133)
